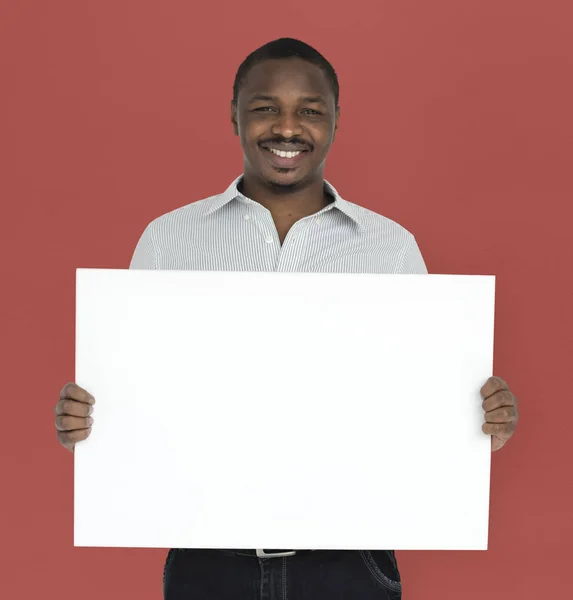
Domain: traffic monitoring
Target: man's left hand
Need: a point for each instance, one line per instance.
(501, 414)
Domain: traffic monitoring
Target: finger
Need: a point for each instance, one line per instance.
(505, 414)
(68, 438)
(493, 385)
(499, 399)
(500, 430)
(73, 408)
(74, 392)
(67, 423)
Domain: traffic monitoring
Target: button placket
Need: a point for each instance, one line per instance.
(269, 238)
(290, 255)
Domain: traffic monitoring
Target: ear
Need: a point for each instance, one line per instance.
(234, 118)
(336, 122)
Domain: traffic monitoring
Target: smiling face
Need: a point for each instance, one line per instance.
(286, 118)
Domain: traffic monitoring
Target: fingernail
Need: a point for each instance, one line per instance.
(90, 410)
(90, 421)
(91, 399)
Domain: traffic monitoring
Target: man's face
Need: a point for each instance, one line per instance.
(285, 105)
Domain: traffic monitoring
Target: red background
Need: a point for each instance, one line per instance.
(456, 122)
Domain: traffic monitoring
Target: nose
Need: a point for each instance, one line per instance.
(287, 126)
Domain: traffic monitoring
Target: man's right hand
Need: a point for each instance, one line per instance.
(73, 420)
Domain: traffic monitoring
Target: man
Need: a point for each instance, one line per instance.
(281, 215)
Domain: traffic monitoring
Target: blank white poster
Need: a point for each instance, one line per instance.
(283, 410)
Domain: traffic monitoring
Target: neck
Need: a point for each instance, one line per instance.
(286, 204)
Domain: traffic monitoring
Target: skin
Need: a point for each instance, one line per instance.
(73, 415)
(273, 108)
(289, 195)
(500, 411)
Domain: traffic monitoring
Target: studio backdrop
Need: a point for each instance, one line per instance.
(456, 122)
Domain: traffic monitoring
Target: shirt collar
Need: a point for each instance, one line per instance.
(352, 211)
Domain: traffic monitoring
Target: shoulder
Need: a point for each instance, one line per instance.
(184, 216)
(168, 229)
(376, 225)
(385, 237)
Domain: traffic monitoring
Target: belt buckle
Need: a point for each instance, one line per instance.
(263, 554)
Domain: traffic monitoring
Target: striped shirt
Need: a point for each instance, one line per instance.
(230, 232)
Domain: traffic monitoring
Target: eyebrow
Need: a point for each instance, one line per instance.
(312, 99)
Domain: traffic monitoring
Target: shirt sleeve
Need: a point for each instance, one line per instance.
(144, 256)
(413, 262)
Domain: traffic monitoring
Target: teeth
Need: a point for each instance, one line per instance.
(283, 154)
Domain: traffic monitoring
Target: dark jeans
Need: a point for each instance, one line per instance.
(318, 575)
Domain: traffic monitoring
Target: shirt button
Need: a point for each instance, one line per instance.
(318, 219)
(269, 240)
(246, 217)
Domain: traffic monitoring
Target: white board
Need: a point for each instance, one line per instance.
(283, 410)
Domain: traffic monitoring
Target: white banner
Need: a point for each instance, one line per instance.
(283, 410)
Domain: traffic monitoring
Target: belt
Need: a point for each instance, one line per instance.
(259, 553)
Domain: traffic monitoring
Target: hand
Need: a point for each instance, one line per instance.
(73, 421)
(501, 414)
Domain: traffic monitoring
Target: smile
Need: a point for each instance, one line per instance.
(285, 159)
(284, 154)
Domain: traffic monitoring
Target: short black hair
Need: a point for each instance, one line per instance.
(285, 48)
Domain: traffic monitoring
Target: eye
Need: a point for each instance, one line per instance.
(311, 111)
(263, 109)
